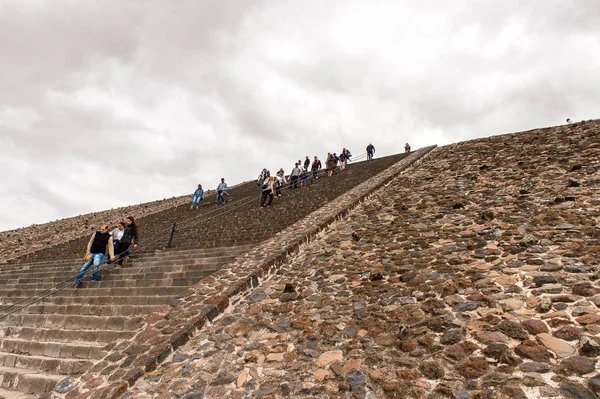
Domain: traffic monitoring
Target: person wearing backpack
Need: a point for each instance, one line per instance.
(100, 242)
(267, 192)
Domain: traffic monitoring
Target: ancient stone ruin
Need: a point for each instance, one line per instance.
(464, 271)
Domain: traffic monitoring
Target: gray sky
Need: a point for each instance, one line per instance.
(111, 103)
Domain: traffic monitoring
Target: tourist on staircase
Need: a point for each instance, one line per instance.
(348, 155)
(279, 182)
(370, 151)
(294, 175)
(221, 191)
(99, 243)
(329, 164)
(306, 163)
(262, 177)
(267, 192)
(302, 177)
(316, 165)
(335, 162)
(130, 236)
(117, 234)
(342, 159)
(197, 197)
(406, 147)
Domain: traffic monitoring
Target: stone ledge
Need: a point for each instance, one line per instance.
(214, 294)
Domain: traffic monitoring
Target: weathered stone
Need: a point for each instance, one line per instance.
(533, 351)
(579, 365)
(64, 386)
(432, 369)
(513, 330)
(533, 367)
(573, 390)
(355, 379)
(558, 346)
(330, 357)
(452, 337)
(534, 326)
(473, 368)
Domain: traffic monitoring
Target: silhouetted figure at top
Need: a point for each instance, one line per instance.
(568, 120)
(370, 151)
(406, 147)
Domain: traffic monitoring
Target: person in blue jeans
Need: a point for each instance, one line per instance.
(99, 243)
(197, 197)
(221, 188)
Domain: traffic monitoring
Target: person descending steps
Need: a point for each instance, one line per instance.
(100, 242)
(221, 191)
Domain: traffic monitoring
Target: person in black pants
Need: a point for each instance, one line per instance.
(130, 236)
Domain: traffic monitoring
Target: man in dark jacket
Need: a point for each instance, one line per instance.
(99, 243)
(316, 165)
(370, 151)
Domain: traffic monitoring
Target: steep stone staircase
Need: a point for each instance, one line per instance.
(69, 331)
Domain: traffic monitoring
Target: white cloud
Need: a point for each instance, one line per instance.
(115, 103)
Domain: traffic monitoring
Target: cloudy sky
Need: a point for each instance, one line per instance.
(111, 103)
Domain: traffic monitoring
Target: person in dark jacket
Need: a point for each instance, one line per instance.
(370, 151)
(100, 242)
(130, 236)
(316, 165)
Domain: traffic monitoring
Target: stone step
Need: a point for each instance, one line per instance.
(95, 290)
(18, 383)
(39, 334)
(94, 310)
(106, 276)
(45, 364)
(203, 272)
(10, 394)
(134, 267)
(87, 350)
(99, 300)
(73, 322)
(163, 254)
(123, 282)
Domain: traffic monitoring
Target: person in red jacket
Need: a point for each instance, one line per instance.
(316, 165)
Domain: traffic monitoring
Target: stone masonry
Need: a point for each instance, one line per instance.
(166, 330)
(51, 331)
(474, 275)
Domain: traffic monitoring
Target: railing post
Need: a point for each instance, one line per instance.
(171, 236)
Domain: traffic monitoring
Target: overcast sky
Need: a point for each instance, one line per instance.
(112, 103)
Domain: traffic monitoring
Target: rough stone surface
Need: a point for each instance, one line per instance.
(443, 265)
